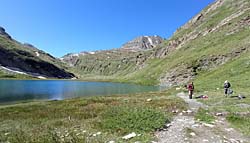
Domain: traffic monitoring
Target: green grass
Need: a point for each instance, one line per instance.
(125, 119)
(4, 75)
(204, 116)
(77, 120)
(236, 71)
(211, 84)
(240, 122)
(236, 111)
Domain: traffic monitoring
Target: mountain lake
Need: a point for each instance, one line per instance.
(12, 91)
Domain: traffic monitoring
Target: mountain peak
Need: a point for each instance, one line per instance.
(143, 43)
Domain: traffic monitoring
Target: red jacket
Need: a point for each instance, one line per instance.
(190, 87)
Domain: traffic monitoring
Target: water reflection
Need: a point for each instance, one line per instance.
(16, 90)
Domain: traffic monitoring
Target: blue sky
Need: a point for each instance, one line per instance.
(64, 26)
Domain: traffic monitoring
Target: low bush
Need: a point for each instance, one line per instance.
(125, 119)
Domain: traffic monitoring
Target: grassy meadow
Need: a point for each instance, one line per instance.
(93, 119)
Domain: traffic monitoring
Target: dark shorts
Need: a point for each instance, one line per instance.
(190, 94)
(226, 91)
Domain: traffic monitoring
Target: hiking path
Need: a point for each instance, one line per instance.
(185, 129)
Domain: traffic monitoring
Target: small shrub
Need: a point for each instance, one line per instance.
(128, 119)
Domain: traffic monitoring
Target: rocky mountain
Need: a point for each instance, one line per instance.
(138, 44)
(143, 43)
(115, 61)
(212, 41)
(3, 33)
(17, 58)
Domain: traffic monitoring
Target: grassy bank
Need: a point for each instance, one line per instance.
(95, 119)
(4, 75)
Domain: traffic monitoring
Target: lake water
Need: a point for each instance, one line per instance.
(22, 90)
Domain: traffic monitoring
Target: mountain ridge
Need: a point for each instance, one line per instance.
(16, 58)
(207, 42)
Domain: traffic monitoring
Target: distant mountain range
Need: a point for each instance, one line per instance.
(138, 44)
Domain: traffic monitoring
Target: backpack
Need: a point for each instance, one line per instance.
(230, 91)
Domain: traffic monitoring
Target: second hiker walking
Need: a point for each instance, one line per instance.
(227, 85)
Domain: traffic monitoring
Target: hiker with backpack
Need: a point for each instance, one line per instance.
(227, 90)
(190, 88)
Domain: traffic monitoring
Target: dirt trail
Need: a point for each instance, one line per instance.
(184, 128)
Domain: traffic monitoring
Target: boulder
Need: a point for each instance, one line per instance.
(129, 136)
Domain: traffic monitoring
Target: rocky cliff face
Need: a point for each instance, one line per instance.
(25, 58)
(3, 33)
(143, 43)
